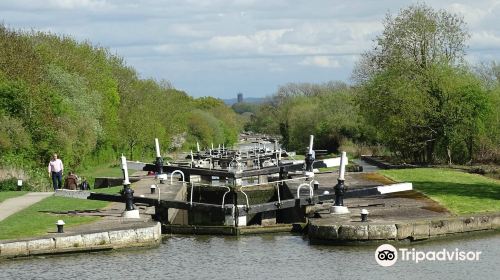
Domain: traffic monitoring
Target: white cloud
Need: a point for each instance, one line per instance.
(486, 39)
(79, 4)
(256, 44)
(260, 42)
(321, 61)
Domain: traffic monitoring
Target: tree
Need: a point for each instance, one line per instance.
(299, 110)
(417, 38)
(414, 87)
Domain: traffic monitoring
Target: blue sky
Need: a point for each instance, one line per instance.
(219, 48)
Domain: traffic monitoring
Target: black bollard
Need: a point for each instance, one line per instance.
(339, 193)
(60, 226)
(128, 194)
(315, 185)
(309, 162)
(153, 189)
(159, 168)
(364, 215)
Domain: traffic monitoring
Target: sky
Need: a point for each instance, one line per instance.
(219, 47)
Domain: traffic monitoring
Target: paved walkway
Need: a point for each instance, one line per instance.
(16, 204)
(366, 166)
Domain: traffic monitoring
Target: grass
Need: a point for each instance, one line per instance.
(10, 194)
(459, 192)
(33, 222)
(297, 157)
(105, 170)
(110, 190)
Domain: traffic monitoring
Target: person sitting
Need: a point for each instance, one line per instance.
(84, 185)
(71, 181)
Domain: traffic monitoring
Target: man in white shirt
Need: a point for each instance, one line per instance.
(56, 170)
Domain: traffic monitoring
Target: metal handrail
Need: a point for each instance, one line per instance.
(191, 196)
(311, 192)
(279, 181)
(279, 198)
(172, 176)
(224, 196)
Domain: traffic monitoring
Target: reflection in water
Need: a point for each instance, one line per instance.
(256, 257)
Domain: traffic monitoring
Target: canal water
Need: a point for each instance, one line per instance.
(259, 257)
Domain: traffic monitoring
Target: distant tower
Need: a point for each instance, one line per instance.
(240, 97)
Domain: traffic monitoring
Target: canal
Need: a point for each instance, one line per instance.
(280, 256)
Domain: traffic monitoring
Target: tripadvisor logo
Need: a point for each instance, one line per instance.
(387, 255)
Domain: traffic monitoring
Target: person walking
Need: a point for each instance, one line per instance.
(56, 170)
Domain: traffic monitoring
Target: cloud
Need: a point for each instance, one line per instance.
(262, 42)
(219, 47)
(79, 4)
(321, 61)
(486, 39)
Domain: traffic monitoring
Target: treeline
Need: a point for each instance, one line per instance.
(81, 101)
(296, 111)
(414, 97)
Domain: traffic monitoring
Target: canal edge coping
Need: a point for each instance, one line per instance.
(412, 230)
(83, 242)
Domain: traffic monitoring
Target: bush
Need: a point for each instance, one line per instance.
(8, 185)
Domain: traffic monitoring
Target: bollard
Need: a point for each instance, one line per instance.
(340, 187)
(162, 178)
(128, 194)
(310, 157)
(153, 189)
(339, 193)
(315, 185)
(60, 226)
(364, 215)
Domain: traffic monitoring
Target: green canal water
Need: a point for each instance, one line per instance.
(259, 257)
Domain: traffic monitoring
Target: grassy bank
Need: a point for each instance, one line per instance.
(39, 218)
(104, 170)
(10, 194)
(459, 192)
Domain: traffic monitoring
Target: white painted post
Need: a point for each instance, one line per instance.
(311, 140)
(343, 163)
(279, 156)
(157, 145)
(197, 146)
(125, 170)
(212, 146)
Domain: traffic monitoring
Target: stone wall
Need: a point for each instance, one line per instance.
(113, 239)
(409, 230)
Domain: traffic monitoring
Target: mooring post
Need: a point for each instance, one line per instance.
(309, 160)
(128, 193)
(339, 189)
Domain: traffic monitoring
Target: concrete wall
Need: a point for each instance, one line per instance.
(113, 239)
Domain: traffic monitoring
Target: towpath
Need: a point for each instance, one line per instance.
(16, 204)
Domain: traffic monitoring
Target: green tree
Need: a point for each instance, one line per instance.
(414, 88)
